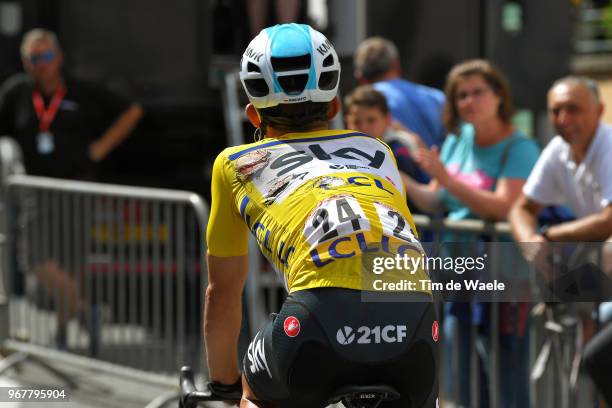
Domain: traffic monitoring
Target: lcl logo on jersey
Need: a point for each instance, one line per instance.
(366, 335)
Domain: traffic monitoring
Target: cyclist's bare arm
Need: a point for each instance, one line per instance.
(222, 319)
(223, 315)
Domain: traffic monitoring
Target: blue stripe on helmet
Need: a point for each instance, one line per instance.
(291, 40)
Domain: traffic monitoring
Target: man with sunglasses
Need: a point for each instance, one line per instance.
(63, 125)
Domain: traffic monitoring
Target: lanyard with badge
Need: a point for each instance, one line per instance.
(44, 138)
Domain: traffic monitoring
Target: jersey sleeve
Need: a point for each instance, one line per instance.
(226, 234)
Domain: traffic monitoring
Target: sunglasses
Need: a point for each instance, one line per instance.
(46, 57)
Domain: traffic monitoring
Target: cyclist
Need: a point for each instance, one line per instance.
(324, 206)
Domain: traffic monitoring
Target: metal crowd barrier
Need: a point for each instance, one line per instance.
(114, 273)
(11, 163)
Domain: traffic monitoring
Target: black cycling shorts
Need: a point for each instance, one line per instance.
(326, 338)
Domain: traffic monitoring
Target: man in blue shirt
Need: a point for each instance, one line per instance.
(416, 107)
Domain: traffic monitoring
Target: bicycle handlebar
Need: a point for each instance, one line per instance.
(191, 396)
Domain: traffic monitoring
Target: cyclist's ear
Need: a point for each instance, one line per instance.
(333, 108)
(252, 115)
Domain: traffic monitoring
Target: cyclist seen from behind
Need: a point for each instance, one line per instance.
(325, 207)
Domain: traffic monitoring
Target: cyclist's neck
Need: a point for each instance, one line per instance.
(274, 133)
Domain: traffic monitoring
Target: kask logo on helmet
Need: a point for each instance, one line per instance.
(253, 54)
(325, 47)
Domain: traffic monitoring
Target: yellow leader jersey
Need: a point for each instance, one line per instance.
(321, 205)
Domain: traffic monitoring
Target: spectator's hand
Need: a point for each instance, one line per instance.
(97, 151)
(537, 251)
(430, 162)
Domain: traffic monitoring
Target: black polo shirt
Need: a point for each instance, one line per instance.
(85, 113)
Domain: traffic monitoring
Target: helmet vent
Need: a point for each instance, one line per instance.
(257, 87)
(252, 67)
(291, 63)
(328, 80)
(294, 84)
(328, 61)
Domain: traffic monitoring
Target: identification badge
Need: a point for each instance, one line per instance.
(45, 142)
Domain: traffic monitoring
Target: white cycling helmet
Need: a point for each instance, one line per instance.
(289, 63)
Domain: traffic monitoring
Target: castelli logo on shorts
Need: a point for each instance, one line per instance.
(435, 331)
(292, 326)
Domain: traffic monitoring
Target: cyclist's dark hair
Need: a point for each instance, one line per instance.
(294, 117)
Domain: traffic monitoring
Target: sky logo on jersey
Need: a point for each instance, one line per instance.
(278, 169)
(292, 326)
(290, 161)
